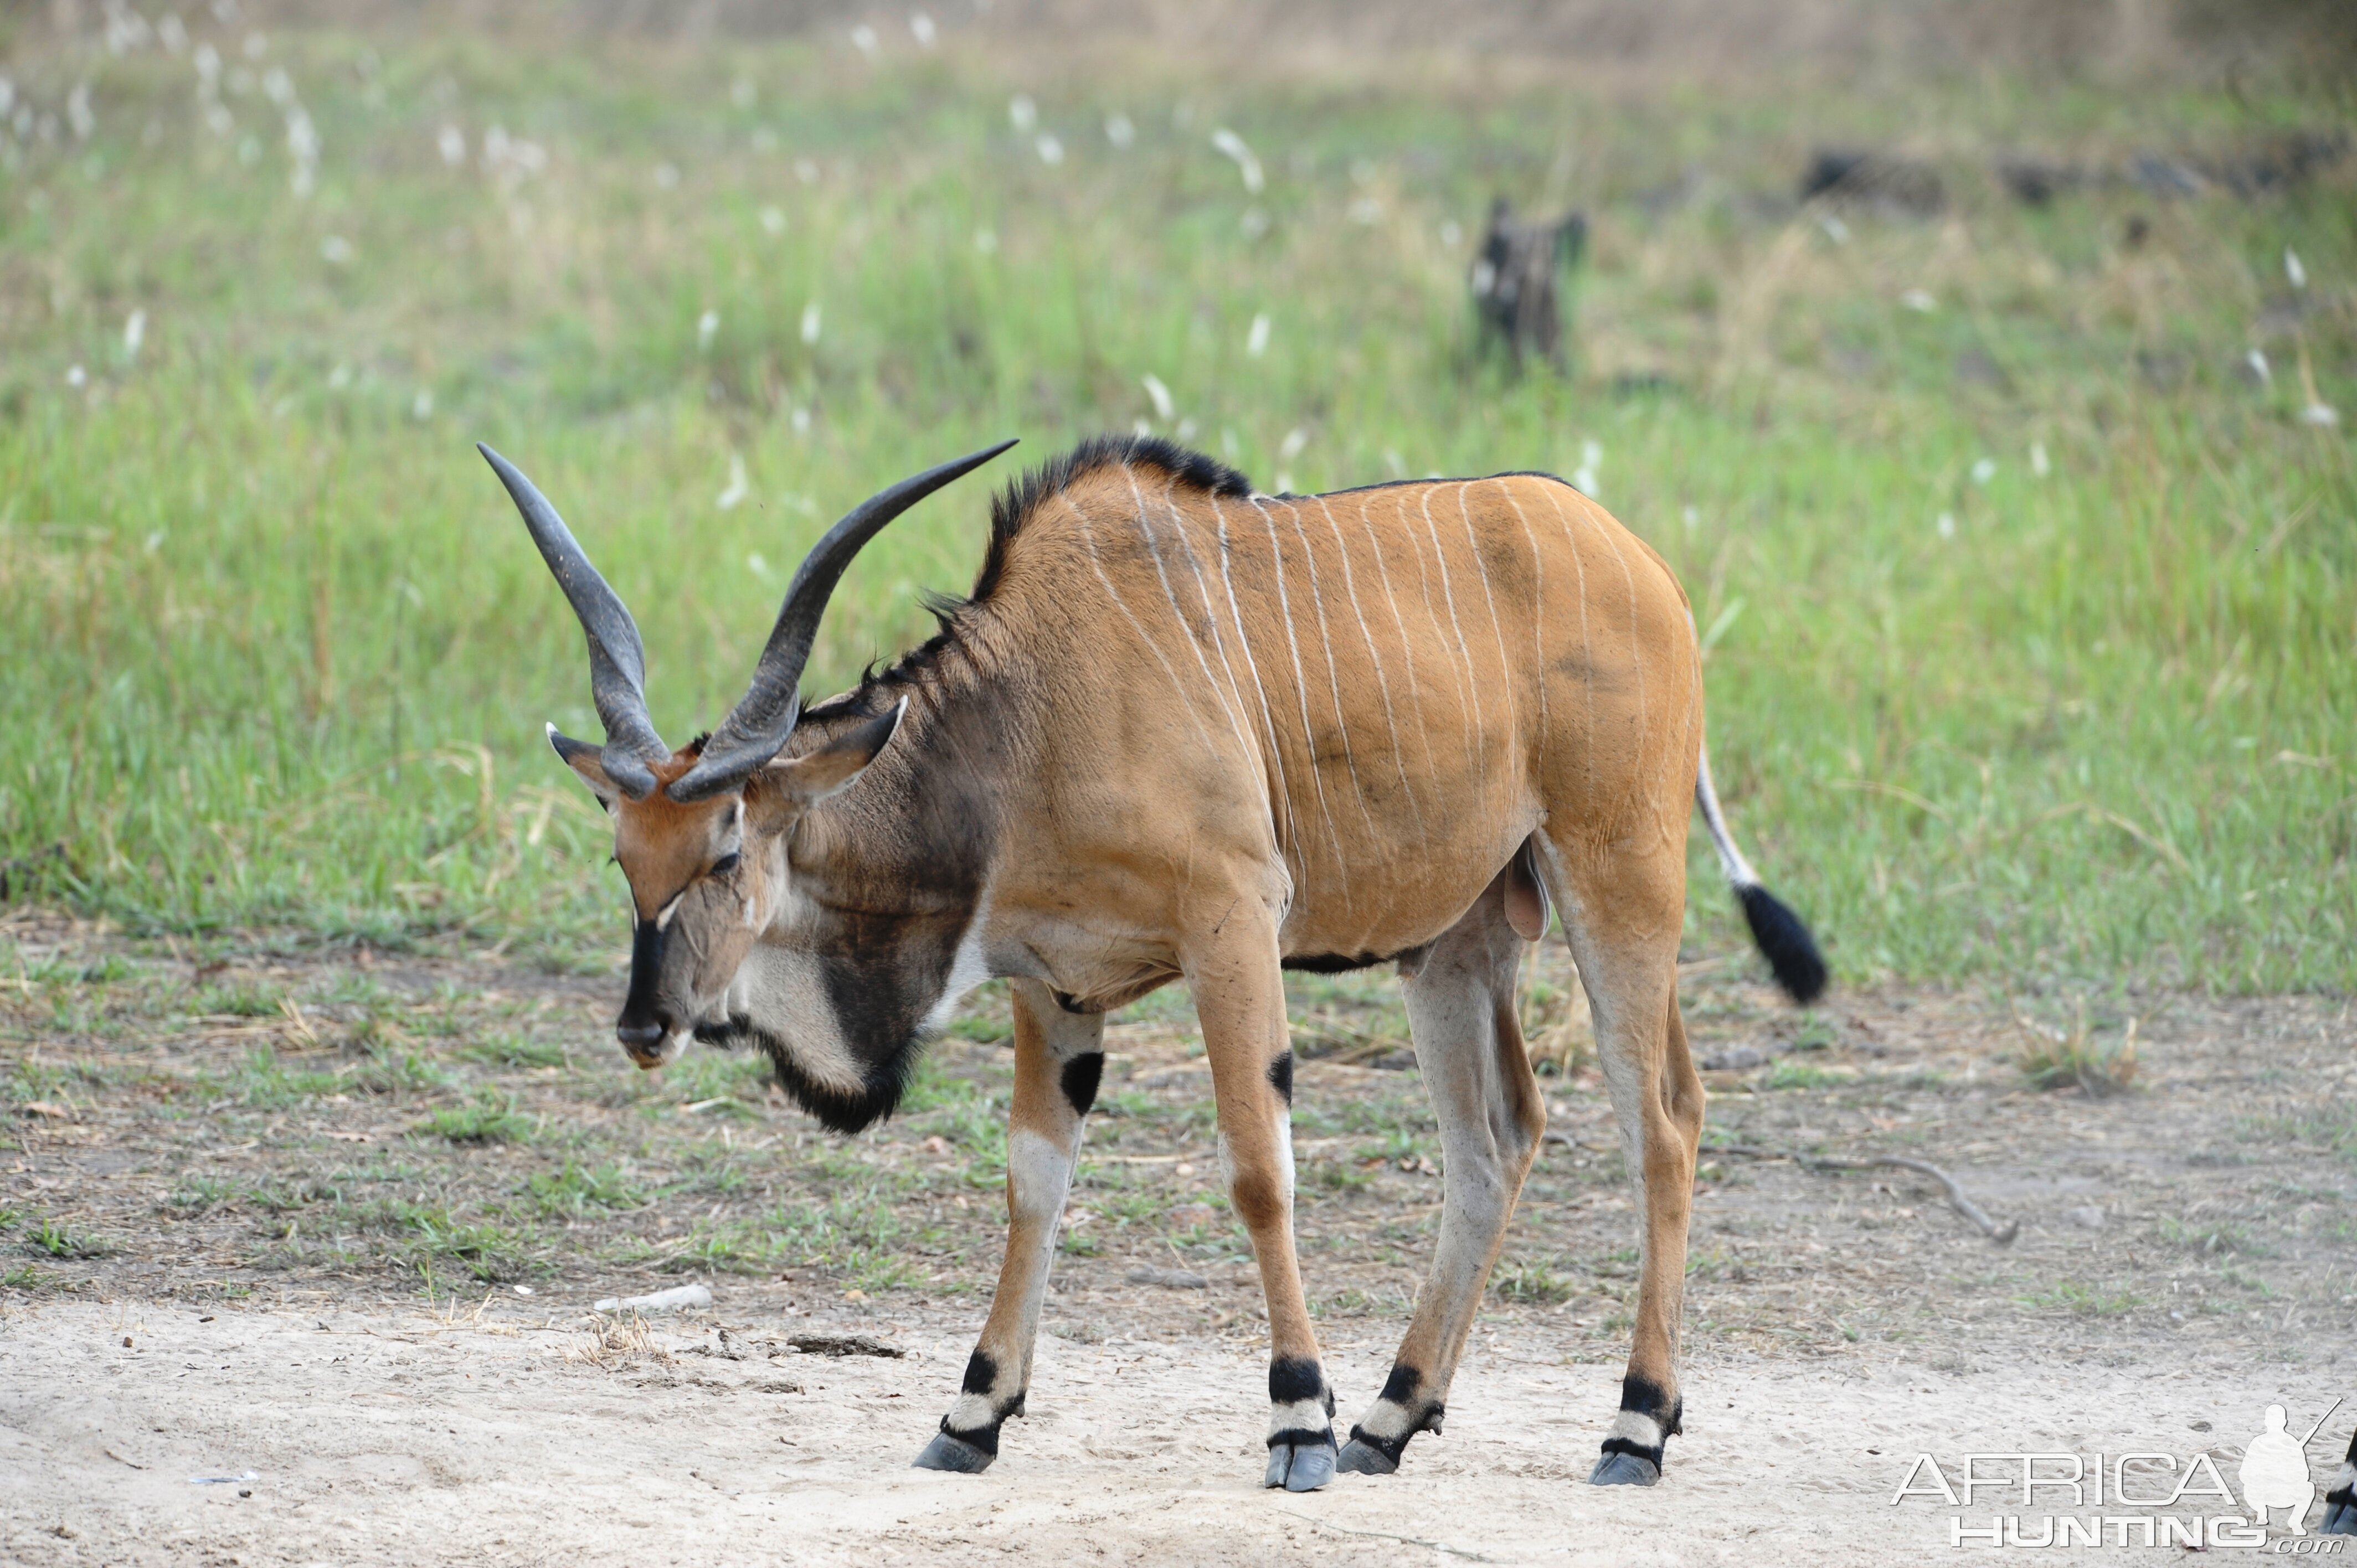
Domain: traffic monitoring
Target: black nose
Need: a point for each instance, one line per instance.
(639, 1037)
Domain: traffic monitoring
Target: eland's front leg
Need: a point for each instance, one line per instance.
(1240, 1001)
(1059, 1058)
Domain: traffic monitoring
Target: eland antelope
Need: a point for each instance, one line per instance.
(1181, 730)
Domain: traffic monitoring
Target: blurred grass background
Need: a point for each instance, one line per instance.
(2031, 602)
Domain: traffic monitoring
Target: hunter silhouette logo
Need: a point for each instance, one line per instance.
(2146, 1497)
(2275, 1470)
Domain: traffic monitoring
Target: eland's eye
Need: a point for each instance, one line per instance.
(725, 865)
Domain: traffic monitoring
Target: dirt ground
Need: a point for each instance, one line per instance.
(340, 1218)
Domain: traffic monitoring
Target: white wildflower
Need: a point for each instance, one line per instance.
(2293, 270)
(451, 143)
(135, 333)
(1232, 146)
(1946, 525)
(2258, 359)
(1160, 393)
(864, 39)
(1918, 300)
(1256, 340)
(422, 405)
(76, 376)
(2323, 416)
(738, 489)
(921, 28)
(1452, 233)
(809, 322)
(707, 328)
(741, 92)
(986, 240)
(1120, 132)
(1022, 114)
(1290, 448)
(1983, 470)
(1051, 151)
(2040, 466)
(773, 221)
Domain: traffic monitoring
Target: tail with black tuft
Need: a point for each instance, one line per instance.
(1784, 942)
(1783, 937)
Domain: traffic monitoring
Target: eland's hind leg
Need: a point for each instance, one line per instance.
(1469, 1045)
(1622, 913)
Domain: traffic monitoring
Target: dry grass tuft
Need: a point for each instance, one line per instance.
(2059, 1059)
(617, 1342)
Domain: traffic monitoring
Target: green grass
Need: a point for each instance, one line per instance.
(488, 1117)
(279, 653)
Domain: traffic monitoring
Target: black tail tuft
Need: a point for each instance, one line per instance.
(1785, 943)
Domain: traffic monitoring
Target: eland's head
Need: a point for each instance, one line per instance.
(702, 833)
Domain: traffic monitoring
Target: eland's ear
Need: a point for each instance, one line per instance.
(802, 781)
(589, 762)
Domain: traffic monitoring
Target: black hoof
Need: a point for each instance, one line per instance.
(946, 1452)
(2340, 1518)
(1624, 1470)
(1300, 1466)
(1358, 1459)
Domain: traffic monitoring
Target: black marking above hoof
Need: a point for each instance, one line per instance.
(948, 1451)
(1360, 1457)
(1624, 1470)
(2340, 1518)
(1302, 1466)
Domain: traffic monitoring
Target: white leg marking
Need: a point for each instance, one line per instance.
(1301, 1416)
(1638, 1428)
(972, 1412)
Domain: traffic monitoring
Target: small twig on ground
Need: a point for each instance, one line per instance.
(1387, 1535)
(2003, 1235)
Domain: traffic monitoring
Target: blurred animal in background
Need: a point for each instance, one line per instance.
(1896, 186)
(1514, 278)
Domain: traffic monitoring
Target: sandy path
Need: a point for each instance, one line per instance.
(393, 1439)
